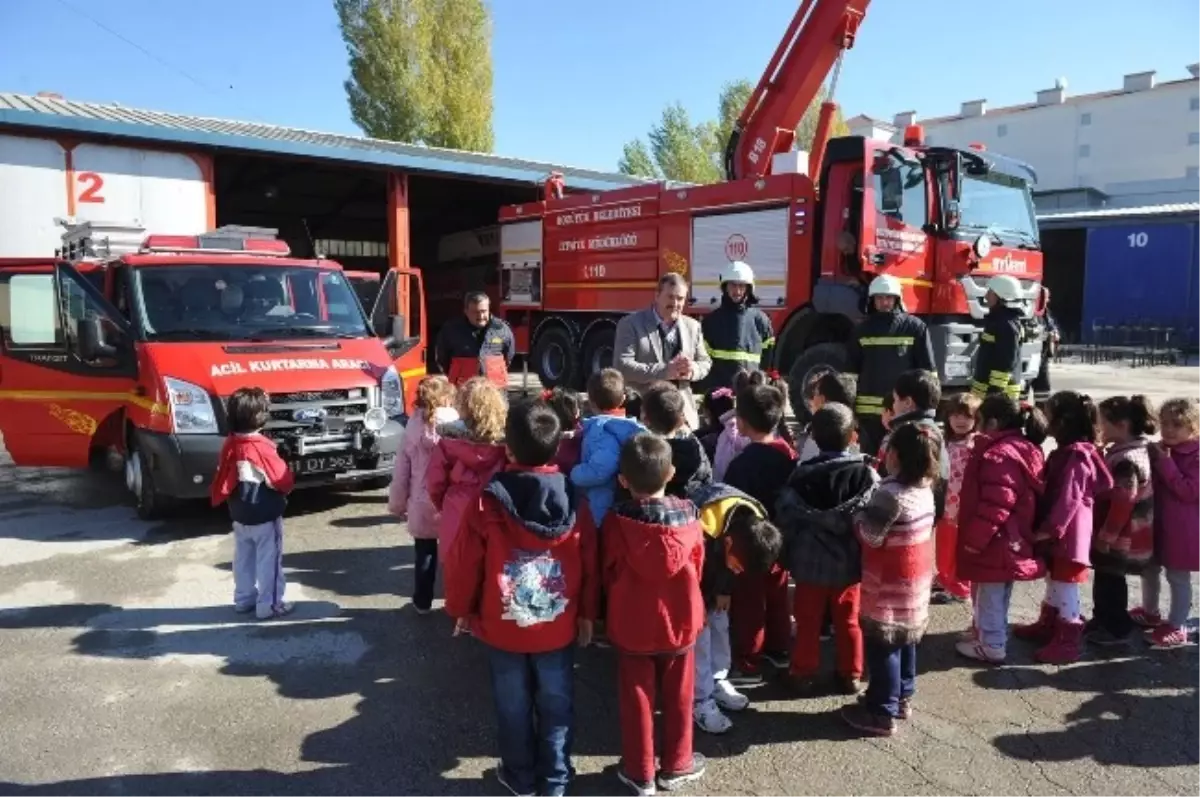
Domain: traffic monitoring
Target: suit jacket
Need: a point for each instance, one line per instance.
(638, 354)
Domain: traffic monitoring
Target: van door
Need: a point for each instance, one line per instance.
(896, 210)
(402, 295)
(67, 366)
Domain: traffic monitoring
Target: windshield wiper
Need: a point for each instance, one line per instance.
(195, 333)
(309, 331)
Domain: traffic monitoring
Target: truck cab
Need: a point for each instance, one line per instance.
(131, 344)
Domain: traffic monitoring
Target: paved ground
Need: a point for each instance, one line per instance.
(126, 672)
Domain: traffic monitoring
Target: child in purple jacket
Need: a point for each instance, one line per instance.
(1075, 476)
(1176, 465)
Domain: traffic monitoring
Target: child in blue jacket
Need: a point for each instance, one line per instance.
(603, 435)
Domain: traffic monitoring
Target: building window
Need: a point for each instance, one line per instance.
(1193, 139)
(1085, 150)
(1085, 119)
(1194, 104)
(1002, 131)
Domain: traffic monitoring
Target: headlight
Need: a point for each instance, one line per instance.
(391, 388)
(983, 245)
(191, 408)
(375, 419)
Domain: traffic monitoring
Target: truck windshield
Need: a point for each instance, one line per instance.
(227, 302)
(999, 203)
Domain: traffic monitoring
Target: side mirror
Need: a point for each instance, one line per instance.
(892, 191)
(92, 345)
(953, 214)
(392, 329)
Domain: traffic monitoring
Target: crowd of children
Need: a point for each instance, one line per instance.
(553, 528)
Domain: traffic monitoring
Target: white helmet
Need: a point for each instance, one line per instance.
(737, 271)
(1005, 287)
(885, 285)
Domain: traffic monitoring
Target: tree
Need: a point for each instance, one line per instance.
(420, 70)
(696, 154)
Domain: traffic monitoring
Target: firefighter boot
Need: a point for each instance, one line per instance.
(1066, 645)
(1041, 629)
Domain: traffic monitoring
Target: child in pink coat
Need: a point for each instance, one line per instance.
(407, 497)
(1075, 476)
(1176, 466)
(470, 452)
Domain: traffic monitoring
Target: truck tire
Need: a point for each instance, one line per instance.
(555, 358)
(832, 355)
(598, 351)
(139, 479)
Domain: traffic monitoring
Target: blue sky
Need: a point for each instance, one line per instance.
(574, 80)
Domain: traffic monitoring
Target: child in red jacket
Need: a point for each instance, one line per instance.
(254, 481)
(524, 583)
(653, 559)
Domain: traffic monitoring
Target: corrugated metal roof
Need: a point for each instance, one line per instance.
(54, 114)
(1097, 214)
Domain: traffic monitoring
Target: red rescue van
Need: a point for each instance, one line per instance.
(132, 344)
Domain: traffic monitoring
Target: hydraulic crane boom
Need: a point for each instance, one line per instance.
(819, 34)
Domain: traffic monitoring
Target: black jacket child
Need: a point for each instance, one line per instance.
(719, 504)
(761, 471)
(815, 514)
(692, 468)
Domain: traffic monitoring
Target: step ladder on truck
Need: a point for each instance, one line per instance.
(127, 346)
(816, 227)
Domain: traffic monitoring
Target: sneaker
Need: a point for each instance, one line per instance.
(729, 698)
(243, 608)
(502, 776)
(981, 652)
(1104, 638)
(708, 718)
(636, 786)
(280, 610)
(968, 635)
(848, 686)
(1145, 618)
(944, 598)
(777, 659)
(1165, 638)
(670, 781)
(861, 718)
(739, 678)
(903, 711)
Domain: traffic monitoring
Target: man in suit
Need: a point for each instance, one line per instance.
(661, 343)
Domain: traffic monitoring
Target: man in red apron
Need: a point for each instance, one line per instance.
(475, 344)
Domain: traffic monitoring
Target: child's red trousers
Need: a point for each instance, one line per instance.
(760, 617)
(945, 542)
(809, 605)
(670, 678)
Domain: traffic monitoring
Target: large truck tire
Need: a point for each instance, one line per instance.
(598, 351)
(555, 358)
(832, 355)
(139, 479)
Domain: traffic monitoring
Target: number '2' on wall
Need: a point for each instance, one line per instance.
(90, 185)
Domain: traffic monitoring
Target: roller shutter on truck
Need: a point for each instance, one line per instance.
(757, 237)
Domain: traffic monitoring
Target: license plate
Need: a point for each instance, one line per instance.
(322, 464)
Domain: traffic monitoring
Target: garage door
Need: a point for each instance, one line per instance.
(1139, 275)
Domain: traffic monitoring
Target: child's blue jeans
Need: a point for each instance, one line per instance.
(535, 707)
(893, 670)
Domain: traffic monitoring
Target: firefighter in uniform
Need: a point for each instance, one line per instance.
(999, 352)
(738, 335)
(884, 345)
(475, 343)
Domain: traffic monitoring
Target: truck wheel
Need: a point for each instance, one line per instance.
(831, 355)
(555, 358)
(598, 351)
(151, 504)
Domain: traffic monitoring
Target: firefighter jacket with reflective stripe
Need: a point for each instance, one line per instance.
(464, 351)
(999, 354)
(739, 338)
(882, 347)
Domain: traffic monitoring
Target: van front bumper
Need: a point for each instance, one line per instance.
(183, 466)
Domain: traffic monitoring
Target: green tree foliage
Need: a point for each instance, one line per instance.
(690, 153)
(420, 70)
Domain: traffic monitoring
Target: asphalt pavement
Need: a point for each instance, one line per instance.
(125, 671)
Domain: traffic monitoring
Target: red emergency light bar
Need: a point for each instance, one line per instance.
(215, 243)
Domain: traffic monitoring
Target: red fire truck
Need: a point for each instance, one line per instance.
(941, 220)
(130, 344)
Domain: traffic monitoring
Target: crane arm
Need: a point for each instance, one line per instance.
(820, 32)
